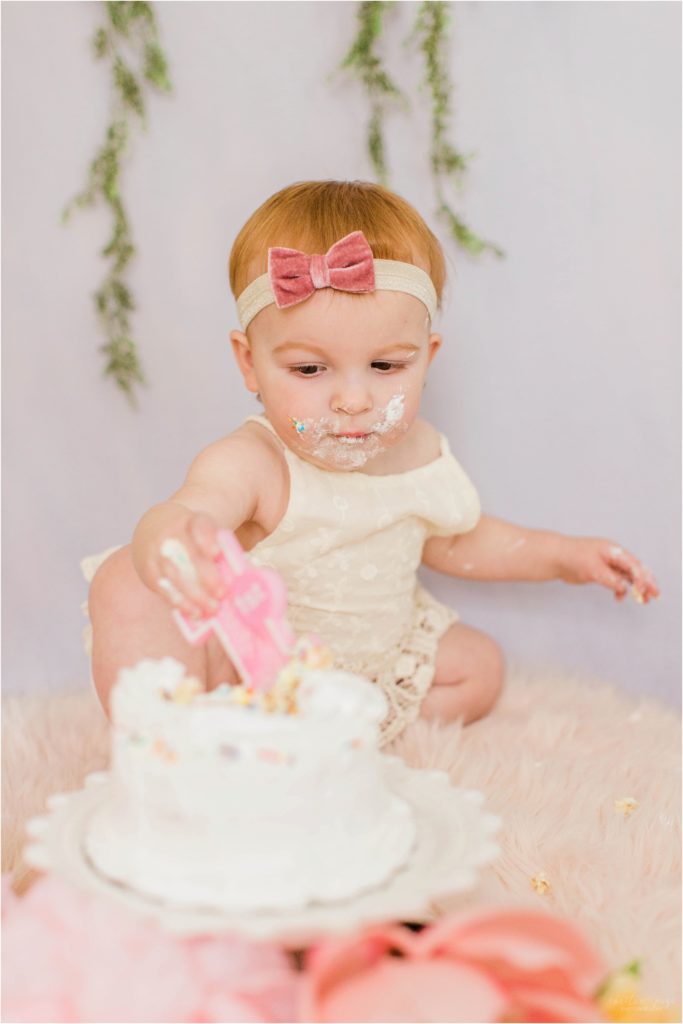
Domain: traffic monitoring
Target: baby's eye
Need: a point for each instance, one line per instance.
(307, 370)
(384, 367)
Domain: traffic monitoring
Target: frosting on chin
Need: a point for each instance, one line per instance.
(317, 437)
(230, 806)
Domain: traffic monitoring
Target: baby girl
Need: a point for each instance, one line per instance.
(339, 484)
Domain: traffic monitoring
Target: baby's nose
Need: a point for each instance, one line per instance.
(352, 405)
(352, 395)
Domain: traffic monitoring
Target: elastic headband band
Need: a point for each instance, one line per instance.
(348, 266)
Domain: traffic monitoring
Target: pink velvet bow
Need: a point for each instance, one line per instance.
(347, 266)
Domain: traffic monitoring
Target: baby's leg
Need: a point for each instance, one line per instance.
(130, 622)
(469, 676)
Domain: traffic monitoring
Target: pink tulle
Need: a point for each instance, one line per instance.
(8, 895)
(68, 956)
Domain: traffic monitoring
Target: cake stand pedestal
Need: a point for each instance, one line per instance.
(454, 839)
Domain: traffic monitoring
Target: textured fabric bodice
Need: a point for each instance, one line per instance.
(349, 546)
(348, 549)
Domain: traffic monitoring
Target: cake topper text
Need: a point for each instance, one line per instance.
(251, 622)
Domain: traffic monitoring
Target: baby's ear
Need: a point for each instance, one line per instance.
(245, 359)
(433, 346)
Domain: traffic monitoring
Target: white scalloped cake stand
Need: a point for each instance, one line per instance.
(454, 839)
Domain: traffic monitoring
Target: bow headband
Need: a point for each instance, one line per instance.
(347, 266)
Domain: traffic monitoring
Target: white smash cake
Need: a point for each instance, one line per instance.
(236, 801)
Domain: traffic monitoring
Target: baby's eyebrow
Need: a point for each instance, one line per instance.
(399, 347)
(298, 344)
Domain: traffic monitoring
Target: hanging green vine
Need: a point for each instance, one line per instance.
(365, 63)
(431, 29)
(447, 163)
(130, 26)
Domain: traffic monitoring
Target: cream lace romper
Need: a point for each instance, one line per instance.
(348, 549)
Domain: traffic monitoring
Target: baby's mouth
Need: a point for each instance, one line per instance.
(354, 438)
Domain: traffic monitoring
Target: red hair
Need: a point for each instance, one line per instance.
(313, 215)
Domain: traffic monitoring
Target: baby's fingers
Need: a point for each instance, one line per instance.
(614, 581)
(187, 578)
(204, 532)
(169, 590)
(187, 596)
(647, 589)
(179, 559)
(644, 583)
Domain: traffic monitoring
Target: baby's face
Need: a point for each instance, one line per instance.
(340, 376)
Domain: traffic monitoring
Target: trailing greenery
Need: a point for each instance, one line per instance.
(365, 63)
(129, 29)
(430, 32)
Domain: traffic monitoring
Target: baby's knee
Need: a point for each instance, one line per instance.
(495, 663)
(493, 666)
(116, 590)
(487, 673)
(119, 605)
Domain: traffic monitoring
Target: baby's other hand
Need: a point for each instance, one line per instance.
(595, 560)
(187, 575)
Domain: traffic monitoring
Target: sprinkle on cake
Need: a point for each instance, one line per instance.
(308, 654)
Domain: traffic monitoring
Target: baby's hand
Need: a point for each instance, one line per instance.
(593, 560)
(184, 566)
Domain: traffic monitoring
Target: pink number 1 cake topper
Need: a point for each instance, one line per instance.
(250, 622)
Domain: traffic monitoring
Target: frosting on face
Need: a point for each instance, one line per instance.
(391, 415)
(319, 437)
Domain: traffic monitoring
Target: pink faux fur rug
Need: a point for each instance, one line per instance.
(554, 759)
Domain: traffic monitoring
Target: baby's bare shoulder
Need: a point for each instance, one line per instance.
(265, 460)
(273, 479)
(249, 461)
(243, 449)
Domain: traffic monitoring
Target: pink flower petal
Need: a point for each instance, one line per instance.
(333, 960)
(539, 1005)
(398, 990)
(519, 942)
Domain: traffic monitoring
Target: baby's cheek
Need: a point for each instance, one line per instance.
(290, 411)
(302, 432)
(304, 399)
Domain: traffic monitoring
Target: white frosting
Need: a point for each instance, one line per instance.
(391, 415)
(318, 437)
(233, 808)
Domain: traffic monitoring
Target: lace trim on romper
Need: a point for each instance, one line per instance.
(438, 496)
(406, 680)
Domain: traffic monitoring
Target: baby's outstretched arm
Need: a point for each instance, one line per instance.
(175, 542)
(497, 550)
(170, 563)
